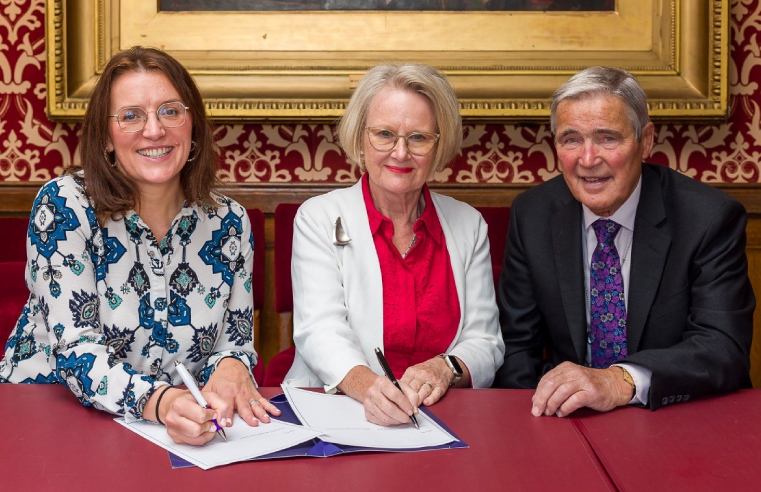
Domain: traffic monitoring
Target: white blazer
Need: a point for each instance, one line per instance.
(338, 291)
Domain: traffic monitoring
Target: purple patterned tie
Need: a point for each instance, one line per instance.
(607, 327)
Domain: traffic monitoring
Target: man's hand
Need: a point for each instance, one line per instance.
(569, 387)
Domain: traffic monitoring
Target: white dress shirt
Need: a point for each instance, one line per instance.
(624, 216)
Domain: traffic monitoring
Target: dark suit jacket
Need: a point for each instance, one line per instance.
(690, 302)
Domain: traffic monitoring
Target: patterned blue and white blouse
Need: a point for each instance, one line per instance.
(111, 309)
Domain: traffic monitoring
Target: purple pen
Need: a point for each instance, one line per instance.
(190, 382)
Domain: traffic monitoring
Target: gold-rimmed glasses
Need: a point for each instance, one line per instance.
(132, 118)
(418, 143)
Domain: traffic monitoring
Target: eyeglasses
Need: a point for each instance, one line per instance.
(132, 119)
(418, 143)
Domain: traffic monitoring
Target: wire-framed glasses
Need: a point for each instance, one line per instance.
(132, 118)
(418, 143)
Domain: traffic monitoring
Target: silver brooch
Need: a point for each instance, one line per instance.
(339, 235)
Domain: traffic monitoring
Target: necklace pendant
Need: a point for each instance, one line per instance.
(412, 243)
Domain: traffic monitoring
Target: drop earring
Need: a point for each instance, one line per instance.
(192, 149)
(108, 160)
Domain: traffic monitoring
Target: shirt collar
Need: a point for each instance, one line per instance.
(195, 209)
(428, 219)
(625, 214)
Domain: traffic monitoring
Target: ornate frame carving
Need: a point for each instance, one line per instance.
(302, 66)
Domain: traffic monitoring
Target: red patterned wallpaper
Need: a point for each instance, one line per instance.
(32, 148)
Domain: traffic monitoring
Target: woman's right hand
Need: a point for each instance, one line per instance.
(189, 423)
(384, 403)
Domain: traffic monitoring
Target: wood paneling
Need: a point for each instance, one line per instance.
(16, 200)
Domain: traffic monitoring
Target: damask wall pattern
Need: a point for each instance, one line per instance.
(32, 148)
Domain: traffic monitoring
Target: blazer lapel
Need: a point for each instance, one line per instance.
(363, 282)
(566, 245)
(649, 250)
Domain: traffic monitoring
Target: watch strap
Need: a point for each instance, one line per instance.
(457, 374)
(629, 379)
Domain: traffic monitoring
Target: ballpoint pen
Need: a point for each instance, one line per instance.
(190, 382)
(390, 375)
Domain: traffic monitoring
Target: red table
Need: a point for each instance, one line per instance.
(711, 444)
(50, 442)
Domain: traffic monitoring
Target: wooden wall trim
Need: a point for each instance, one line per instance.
(16, 198)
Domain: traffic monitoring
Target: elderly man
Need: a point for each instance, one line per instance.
(623, 282)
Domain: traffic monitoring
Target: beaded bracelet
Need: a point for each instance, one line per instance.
(158, 404)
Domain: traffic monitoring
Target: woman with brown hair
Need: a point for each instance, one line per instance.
(134, 262)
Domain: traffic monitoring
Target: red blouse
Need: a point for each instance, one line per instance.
(421, 309)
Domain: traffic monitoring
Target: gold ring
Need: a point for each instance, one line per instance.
(429, 384)
(252, 401)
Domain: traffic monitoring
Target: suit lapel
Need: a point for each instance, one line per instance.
(649, 250)
(566, 245)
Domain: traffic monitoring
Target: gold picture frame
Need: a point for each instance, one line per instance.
(302, 66)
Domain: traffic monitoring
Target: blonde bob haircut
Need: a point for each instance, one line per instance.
(421, 79)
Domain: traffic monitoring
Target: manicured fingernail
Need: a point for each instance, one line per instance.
(416, 410)
(214, 417)
(229, 422)
(547, 412)
(535, 411)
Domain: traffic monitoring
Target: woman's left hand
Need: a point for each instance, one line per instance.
(232, 381)
(430, 379)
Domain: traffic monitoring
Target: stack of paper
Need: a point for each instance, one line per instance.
(330, 425)
(341, 420)
(243, 441)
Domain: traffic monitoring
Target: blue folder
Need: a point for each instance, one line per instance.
(318, 448)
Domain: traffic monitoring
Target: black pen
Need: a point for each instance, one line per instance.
(390, 375)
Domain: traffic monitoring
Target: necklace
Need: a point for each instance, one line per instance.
(414, 236)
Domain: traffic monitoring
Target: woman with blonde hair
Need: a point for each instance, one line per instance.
(387, 263)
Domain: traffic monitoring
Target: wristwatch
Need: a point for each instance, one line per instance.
(630, 380)
(451, 361)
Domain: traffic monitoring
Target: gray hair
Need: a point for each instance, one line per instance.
(421, 79)
(606, 81)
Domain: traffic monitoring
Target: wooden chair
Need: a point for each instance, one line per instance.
(284, 215)
(256, 217)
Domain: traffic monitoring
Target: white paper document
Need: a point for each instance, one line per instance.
(342, 420)
(243, 441)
